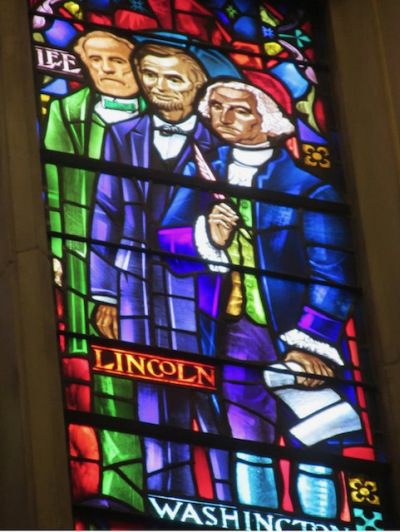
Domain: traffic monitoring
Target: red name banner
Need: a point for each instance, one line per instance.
(142, 366)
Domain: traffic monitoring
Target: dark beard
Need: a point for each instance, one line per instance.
(165, 105)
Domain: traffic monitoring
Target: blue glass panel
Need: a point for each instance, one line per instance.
(315, 322)
(308, 134)
(246, 27)
(59, 86)
(209, 287)
(61, 33)
(289, 74)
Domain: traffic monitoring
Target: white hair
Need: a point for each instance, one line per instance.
(273, 121)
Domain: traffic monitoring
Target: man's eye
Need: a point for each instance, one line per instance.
(216, 106)
(243, 112)
(176, 80)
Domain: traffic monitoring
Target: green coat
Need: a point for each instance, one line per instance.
(73, 127)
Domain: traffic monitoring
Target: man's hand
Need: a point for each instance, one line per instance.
(107, 321)
(222, 221)
(310, 364)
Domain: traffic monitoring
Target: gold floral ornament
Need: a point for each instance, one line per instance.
(74, 9)
(363, 490)
(316, 156)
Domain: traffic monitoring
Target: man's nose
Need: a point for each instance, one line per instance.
(162, 83)
(107, 66)
(226, 115)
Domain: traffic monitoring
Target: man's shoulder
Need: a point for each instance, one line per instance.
(284, 175)
(75, 101)
(138, 124)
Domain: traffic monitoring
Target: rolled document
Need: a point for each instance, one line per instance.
(323, 412)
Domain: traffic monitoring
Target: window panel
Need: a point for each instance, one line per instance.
(212, 346)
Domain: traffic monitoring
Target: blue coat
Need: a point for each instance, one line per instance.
(308, 245)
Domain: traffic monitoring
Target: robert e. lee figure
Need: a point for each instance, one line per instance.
(255, 313)
(139, 299)
(77, 125)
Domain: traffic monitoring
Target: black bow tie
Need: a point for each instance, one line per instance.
(168, 130)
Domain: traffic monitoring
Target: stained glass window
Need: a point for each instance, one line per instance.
(210, 327)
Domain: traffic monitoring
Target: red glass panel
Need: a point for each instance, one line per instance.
(310, 54)
(306, 27)
(350, 330)
(365, 453)
(244, 59)
(99, 19)
(272, 87)
(273, 11)
(220, 36)
(83, 442)
(163, 12)
(79, 525)
(284, 466)
(361, 397)
(134, 21)
(293, 146)
(61, 339)
(191, 6)
(77, 397)
(354, 353)
(367, 426)
(85, 479)
(202, 469)
(75, 85)
(319, 114)
(194, 25)
(345, 513)
(76, 368)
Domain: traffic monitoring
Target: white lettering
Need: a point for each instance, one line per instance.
(247, 520)
(190, 513)
(166, 509)
(304, 525)
(225, 518)
(261, 522)
(70, 61)
(58, 60)
(212, 520)
(279, 521)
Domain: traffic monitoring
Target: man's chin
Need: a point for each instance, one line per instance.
(116, 89)
(167, 105)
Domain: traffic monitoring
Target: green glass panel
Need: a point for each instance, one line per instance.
(56, 247)
(118, 488)
(134, 472)
(77, 273)
(53, 193)
(55, 221)
(119, 447)
(113, 387)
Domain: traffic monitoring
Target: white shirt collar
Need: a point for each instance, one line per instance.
(187, 125)
(252, 156)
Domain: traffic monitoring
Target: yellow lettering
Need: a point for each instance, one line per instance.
(99, 362)
(181, 377)
(151, 369)
(208, 374)
(137, 363)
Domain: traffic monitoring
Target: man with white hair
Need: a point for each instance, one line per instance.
(259, 320)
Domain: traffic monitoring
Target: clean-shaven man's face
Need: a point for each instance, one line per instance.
(109, 67)
(234, 116)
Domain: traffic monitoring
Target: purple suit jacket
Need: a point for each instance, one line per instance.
(130, 142)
